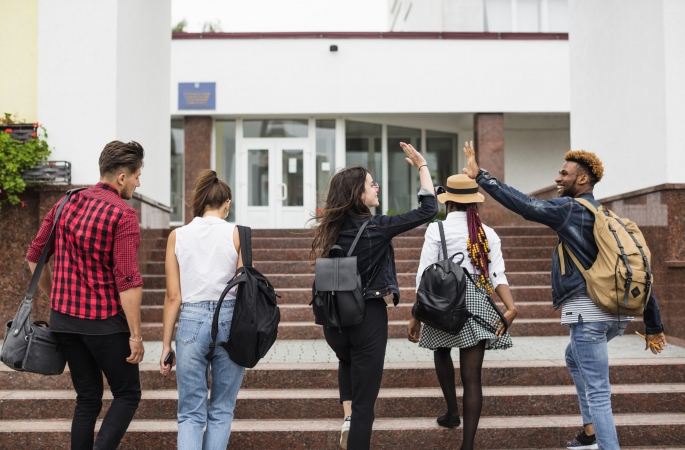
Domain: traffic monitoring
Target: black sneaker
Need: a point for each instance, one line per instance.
(449, 421)
(583, 442)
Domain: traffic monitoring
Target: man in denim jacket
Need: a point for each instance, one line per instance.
(591, 328)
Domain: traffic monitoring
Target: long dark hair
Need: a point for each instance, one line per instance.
(343, 199)
(477, 244)
(209, 192)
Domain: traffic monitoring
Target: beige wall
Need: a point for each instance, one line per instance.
(18, 77)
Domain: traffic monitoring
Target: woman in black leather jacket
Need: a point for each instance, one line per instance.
(361, 348)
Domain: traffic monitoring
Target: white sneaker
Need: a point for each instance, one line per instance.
(345, 431)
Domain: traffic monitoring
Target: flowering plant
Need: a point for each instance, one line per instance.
(18, 155)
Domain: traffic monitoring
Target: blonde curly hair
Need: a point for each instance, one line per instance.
(589, 162)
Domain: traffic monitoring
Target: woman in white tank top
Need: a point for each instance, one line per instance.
(202, 257)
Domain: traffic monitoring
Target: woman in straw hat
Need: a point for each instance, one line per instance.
(465, 233)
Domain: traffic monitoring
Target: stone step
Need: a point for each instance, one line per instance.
(407, 295)
(398, 329)
(302, 254)
(300, 313)
(652, 431)
(533, 230)
(304, 280)
(401, 242)
(402, 266)
(395, 375)
(274, 404)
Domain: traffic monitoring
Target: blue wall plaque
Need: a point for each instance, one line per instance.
(196, 95)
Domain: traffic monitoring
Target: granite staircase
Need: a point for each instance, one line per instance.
(527, 404)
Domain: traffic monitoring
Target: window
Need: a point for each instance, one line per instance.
(525, 16)
(177, 174)
(275, 128)
(363, 146)
(325, 156)
(403, 179)
(225, 158)
(442, 156)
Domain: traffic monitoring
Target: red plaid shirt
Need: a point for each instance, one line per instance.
(96, 253)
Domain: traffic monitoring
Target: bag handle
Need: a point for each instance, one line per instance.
(492, 303)
(44, 254)
(245, 236)
(238, 278)
(443, 241)
(356, 239)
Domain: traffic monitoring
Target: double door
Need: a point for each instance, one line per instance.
(279, 189)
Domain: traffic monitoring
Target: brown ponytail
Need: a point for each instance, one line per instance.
(209, 192)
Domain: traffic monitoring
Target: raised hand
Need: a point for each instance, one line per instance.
(472, 166)
(414, 158)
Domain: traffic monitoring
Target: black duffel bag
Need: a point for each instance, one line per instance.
(337, 294)
(31, 347)
(254, 326)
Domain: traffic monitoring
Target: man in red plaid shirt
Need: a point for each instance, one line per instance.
(95, 294)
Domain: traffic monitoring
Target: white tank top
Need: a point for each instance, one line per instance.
(207, 259)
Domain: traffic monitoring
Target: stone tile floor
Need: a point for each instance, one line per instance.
(401, 350)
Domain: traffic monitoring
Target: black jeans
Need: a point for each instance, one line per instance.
(88, 358)
(361, 352)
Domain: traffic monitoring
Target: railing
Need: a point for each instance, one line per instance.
(49, 172)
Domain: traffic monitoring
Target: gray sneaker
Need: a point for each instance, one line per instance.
(583, 442)
(346, 431)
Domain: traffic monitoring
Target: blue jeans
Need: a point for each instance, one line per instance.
(192, 344)
(587, 358)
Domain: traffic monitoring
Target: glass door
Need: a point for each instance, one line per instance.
(278, 189)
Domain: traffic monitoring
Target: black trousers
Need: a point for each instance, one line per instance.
(361, 352)
(88, 358)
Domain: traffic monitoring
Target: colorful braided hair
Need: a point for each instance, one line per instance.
(478, 248)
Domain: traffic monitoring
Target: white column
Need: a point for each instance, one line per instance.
(384, 169)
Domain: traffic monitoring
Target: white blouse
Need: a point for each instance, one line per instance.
(456, 235)
(207, 259)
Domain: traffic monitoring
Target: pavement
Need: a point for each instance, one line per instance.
(401, 350)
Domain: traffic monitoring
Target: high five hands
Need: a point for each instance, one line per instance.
(472, 166)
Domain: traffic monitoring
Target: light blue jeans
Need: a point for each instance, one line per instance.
(587, 358)
(192, 344)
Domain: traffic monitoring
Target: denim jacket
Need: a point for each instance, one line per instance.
(375, 249)
(574, 225)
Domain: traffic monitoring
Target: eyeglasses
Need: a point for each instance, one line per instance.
(375, 186)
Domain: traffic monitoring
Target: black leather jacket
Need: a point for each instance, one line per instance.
(374, 248)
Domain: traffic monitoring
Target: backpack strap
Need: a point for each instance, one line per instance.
(356, 239)
(648, 270)
(245, 236)
(237, 279)
(443, 241)
(44, 254)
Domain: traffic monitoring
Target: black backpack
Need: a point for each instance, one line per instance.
(441, 297)
(254, 326)
(337, 294)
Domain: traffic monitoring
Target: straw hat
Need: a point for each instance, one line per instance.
(461, 189)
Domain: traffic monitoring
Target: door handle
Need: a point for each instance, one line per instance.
(284, 191)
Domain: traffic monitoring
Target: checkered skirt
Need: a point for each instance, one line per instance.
(474, 331)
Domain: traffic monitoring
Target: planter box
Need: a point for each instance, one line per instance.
(50, 172)
(21, 131)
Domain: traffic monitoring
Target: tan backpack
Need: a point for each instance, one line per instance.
(620, 280)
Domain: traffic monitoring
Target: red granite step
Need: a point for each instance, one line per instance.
(401, 242)
(402, 266)
(653, 431)
(395, 375)
(407, 295)
(302, 254)
(265, 404)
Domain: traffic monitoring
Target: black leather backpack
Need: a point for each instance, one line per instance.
(441, 297)
(256, 316)
(337, 294)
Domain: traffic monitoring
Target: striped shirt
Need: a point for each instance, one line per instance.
(585, 307)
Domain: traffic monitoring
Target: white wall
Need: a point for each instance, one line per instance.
(627, 96)
(534, 148)
(281, 15)
(103, 74)
(301, 76)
